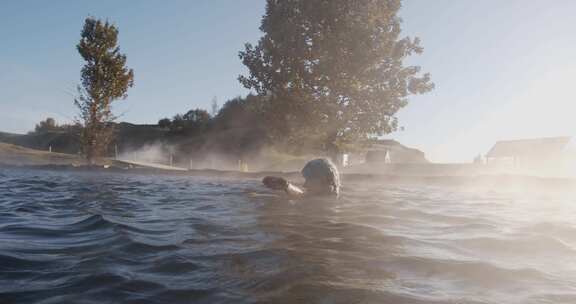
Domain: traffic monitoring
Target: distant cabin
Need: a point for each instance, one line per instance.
(530, 152)
(383, 151)
(392, 152)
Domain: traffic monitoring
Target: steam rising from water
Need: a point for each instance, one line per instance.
(269, 159)
(265, 159)
(149, 153)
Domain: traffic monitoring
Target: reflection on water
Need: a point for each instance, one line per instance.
(94, 238)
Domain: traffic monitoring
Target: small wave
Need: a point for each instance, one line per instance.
(553, 298)
(519, 245)
(102, 238)
(434, 216)
(15, 263)
(173, 266)
(477, 273)
(140, 248)
(94, 222)
(563, 230)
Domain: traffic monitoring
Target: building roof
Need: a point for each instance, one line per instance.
(536, 147)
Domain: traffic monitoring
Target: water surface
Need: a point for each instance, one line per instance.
(123, 238)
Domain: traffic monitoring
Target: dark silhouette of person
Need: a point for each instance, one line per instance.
(321, 178)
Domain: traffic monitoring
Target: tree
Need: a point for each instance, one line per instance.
(240, 112)
(196, 120)
(178, 123)
(197, 116)
(105, 78)
(165, 123)
(193, 122)
(333, 70)
(46, 125)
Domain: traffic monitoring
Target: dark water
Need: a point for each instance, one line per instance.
(120, 238)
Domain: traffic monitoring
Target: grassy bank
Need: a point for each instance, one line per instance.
(19, 156)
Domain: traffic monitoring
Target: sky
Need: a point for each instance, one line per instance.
(503, 69)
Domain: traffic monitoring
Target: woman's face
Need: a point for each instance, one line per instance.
(317, 186)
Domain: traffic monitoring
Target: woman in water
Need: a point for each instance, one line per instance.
(321, 178)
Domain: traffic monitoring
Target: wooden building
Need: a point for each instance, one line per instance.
(536, 152)
(383, 151)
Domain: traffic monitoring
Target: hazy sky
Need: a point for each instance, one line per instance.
(503, 69)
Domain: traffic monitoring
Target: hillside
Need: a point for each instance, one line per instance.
(218, 148)
(20, 156)
(129, 136)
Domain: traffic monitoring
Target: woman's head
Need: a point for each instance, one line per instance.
(322, 177)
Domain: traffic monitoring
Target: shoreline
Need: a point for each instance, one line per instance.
(516, 183)
(150, 171)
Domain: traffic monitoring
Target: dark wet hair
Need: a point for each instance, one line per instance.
(323, 175)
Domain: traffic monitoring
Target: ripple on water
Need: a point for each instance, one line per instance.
(109, 238)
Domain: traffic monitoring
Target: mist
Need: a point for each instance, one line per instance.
(149, 153)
